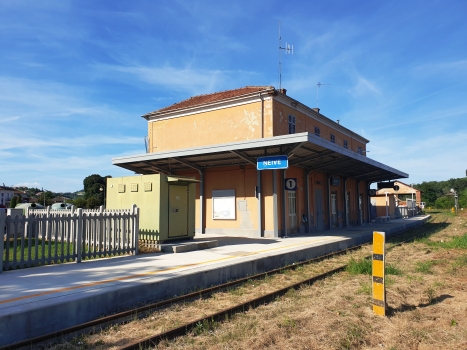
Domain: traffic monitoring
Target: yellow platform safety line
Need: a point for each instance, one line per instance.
(165, 270)
(379, 281)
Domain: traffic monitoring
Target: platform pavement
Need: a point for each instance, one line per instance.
(40, 300)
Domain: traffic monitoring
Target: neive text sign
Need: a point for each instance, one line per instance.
(272, 162)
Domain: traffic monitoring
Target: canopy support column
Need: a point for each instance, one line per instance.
(201, 202)
(274, 201)
(359, 222)
(259, 198)
(284, 205)
(368, 184)
(345, 201)
(328, 191)
(307, 200)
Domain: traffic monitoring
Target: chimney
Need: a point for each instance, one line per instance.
(337, 121)
(316, 109)
(284, 91)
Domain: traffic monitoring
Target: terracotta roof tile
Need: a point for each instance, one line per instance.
(216, 96)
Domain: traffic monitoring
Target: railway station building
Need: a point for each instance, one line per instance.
(218, 139)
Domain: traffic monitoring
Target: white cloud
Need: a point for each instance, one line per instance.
(421, 118)
(449, 68)
(39, 100)
(431, 158)
(363, 87)
(181, 79)
(9, 119)
(28, 184)
(70, 143)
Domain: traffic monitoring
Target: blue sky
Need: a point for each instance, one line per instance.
(75, 76)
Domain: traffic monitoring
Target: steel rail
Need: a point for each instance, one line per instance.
(123, 316)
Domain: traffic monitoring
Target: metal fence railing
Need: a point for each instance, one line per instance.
(47, 236)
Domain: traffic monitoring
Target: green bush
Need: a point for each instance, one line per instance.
(93, 202)
(444, 203)
(80, 203)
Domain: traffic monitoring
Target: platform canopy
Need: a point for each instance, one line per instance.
(304, 150)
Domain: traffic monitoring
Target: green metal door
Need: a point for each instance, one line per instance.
(178, 211)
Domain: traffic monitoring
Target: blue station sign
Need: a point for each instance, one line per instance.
(272, 162)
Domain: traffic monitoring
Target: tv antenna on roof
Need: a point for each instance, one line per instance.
(287, 50)
(317, 92)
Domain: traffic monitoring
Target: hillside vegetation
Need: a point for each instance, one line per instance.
(436, 193)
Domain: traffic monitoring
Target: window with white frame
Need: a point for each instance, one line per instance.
(316, 131)
(346, 144)
(333, 138)
(291, 124)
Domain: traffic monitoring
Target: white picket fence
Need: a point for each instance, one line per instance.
(45, 236)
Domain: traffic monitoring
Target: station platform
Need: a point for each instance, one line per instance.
(40, 300)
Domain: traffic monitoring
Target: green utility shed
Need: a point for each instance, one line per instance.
(167, 204)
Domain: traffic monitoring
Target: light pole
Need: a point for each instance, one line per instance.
(455, 198)
(386, 203)
(102, 189)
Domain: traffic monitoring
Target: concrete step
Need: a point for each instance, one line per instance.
(187, 247)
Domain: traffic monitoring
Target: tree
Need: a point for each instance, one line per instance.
(13, 202)
(18, 200)
(80, 203)
(48, 196)
(93, 202)
(92, 185)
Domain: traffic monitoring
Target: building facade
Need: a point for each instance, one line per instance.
(217, 139)
(6, 194)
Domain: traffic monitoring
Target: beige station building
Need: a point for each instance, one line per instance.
(217, 139)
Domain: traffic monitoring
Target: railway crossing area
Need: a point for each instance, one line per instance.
(37, 301)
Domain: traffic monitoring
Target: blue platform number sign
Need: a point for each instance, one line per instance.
(335, 181)
(272, 162)
(291, 184)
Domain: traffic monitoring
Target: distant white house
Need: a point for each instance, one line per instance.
(6, 194)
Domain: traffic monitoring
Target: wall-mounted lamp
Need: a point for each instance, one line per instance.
(319, 182)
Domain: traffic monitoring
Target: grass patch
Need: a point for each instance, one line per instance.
(365, 288)
(392, 270)
(53, 245)
(365, 267)
(49, 252)
(359, 267)
(424, 267)
(431, 295)
(461, 261)
(455, 243)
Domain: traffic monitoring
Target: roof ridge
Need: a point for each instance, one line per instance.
(181, 103)
(220, 92)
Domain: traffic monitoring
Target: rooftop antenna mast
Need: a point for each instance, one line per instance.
(287, 50)
(317, 92)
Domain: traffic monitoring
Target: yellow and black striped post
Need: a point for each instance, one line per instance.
(379, 261)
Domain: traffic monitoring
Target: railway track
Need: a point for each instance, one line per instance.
(142, 311)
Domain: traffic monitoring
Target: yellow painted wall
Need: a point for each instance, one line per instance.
(381, 206)
(239, 123)
(305, 123)
(153, 223)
